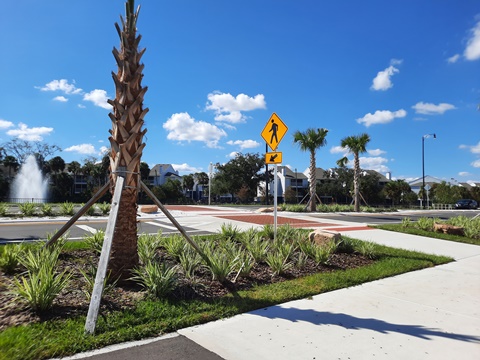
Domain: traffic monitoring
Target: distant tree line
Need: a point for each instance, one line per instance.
(234, 181)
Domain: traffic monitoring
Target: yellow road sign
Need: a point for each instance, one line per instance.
(273, 157)
(274, 131)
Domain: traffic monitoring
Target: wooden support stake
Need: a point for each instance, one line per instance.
(174, 222)
(79, 213)
(104, 258)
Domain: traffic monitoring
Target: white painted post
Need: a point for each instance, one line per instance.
(104, 258)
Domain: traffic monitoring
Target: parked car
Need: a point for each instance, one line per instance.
(466, 204)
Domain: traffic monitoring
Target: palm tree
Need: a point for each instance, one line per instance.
(311, 140)
(356, 145)
(126, 139)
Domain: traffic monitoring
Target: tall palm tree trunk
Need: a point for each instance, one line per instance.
(356, 177)
(126, 140)
(313, 182)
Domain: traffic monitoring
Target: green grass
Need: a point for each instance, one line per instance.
(152, 318)
(431, 234)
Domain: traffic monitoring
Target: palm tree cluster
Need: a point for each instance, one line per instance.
(313, 139)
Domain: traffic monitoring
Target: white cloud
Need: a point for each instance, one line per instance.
(23, 132)
(244, 144)
(339, 150)
(476, 163)
(4, 124)
(381, 117)
(98, 97)
(474, 149)
(60, 98)
(183, 127)
(464, 173)
(85, 149)
(396, 62)
(432, 109)
(382, 81)
(374, 163)
(185, 168)
(104, 150)
(453, 59)
(472, 51)
(232, 154)
(375, 152)
(229, 108)
(61, 85)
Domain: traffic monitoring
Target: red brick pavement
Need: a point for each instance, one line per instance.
(261, 219)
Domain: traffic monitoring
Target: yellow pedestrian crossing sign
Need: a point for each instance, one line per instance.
(273, 157)
(274, 131)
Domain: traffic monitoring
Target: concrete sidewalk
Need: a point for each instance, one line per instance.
(427, 314)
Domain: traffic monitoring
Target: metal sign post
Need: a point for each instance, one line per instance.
(273, 133)
(275, 179)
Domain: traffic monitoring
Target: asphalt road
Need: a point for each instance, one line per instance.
(38, 230)
(18, 231)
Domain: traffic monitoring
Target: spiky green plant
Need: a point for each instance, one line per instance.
(245, 264)
(91, 210)
(9, 257)
(268, 231)
(190, 260)
(221, 265)
(46, 209)
(147, 247)
(425, 224)
(104, 208)
(406, 222)
(35, 258)
(95, 241)
(67, 208)
(174, 245)
(321, 254)
(368, 249)
(286, 232)
(3, 209)
(258, 248)
(158, 280)
(278, 263)
(89, 277)
(27, 208)
(229, 232)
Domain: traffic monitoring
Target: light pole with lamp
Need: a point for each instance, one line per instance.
(423, 166)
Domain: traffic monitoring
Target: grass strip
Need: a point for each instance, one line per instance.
(431, 234)
(153, 318)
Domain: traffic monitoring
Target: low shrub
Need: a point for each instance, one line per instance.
(9, 258)
(47, 209)
(3, 209)
(104, 208)
(157, 279)
(67, 208)
(27, 208)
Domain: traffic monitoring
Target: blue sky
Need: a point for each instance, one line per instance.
(216, 71)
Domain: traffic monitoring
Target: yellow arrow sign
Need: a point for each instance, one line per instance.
(273, 158)
(274, 131)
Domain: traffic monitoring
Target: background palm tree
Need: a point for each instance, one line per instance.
(311, 140)
(356, 145)
(126, 139)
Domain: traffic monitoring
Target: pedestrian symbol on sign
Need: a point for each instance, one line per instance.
(274, 131)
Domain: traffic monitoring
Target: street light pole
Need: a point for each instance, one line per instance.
(423, 167)
(209, 181)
